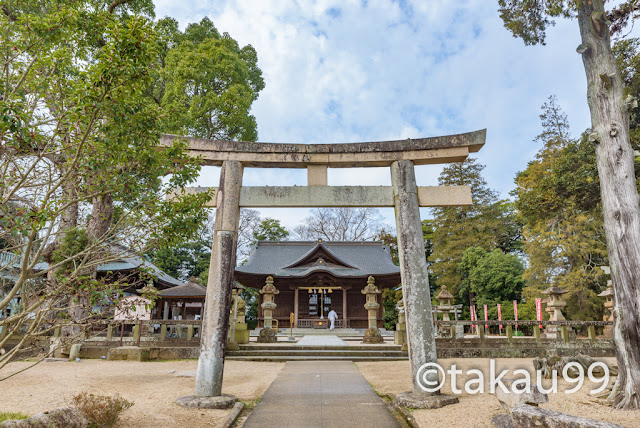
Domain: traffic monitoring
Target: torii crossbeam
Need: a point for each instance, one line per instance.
(404, 195)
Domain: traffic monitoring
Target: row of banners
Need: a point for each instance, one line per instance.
(474, 316)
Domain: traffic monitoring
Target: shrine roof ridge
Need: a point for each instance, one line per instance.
(359, 259)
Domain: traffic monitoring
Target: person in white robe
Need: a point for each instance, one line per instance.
(333, 316)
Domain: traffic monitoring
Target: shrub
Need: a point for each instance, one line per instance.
(101, 411)
(10, 416)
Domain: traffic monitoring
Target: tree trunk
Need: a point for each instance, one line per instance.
(101, 215)
(610, 134)
(68, 219)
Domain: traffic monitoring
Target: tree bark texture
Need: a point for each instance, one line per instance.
(101, 215)
(620, 204)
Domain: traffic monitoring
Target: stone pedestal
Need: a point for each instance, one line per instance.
(420, 401)
(554, 308)
(372, 335)
(240, 328)
(267, 334)
(223, 401)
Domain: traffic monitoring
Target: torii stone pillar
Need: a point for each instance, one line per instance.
(415, 288)
(215, 323)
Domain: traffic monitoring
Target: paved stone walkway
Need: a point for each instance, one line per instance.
(310, 394)
(321, 341)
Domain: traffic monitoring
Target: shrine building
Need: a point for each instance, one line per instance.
(314, 277)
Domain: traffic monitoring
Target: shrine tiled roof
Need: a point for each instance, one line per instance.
(302, 258)
(188, 289)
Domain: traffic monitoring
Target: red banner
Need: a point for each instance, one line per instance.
(539, 310)
(515, 310)
(500, 314)
(473, 315)
(486, 316)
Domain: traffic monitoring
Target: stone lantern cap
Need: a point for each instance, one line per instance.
(269, 288)
(444, 294)
(555, 290)
(606, 293)
(371, 287)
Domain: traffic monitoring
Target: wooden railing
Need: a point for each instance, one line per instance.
(339, 323)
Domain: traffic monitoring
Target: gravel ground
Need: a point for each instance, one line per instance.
(477, 410)
(152, 386)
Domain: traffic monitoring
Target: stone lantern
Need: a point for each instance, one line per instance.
(267, 334)
(400, 335)
(372, 335)
(445, 306)
(609, 303)
(554, 308)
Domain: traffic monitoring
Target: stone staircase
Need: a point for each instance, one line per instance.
(285, 352)
(340, 332)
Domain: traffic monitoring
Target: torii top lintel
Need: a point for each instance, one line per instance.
(422, 151)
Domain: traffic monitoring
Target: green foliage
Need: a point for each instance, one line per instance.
(529, 19)
(493, 277)
(488, 223)
(208, 82)
(270, 230)
(627, 53)
(78, 131)
(101, 411)
(390, 299)
(558, 197)
(10, 416)
(250, 296)
(391, 241)
(186, 260)
(74, 242)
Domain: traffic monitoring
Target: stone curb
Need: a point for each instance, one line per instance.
(406, 414)
(233, 416)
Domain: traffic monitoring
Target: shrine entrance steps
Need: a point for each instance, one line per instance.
(318, 394)
(341, 332)
(279, 352)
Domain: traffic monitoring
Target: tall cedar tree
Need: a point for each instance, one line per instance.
(558, 198)
(528, 19)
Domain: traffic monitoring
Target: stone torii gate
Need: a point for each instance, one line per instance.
(404, 195)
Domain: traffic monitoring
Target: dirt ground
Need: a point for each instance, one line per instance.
(477, 410)
(152, 386)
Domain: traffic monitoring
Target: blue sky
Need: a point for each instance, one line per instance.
(349, 71)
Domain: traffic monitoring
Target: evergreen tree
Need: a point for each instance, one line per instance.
(488, 223)
(558, 197)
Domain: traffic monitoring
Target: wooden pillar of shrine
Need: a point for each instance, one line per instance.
(296, 307)
(344, 308)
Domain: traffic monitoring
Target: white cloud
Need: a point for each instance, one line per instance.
(339, 71)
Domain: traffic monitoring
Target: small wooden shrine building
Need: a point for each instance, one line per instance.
(314, 277)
